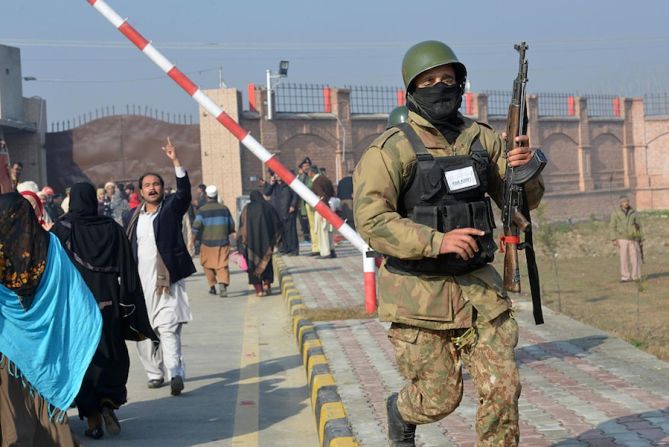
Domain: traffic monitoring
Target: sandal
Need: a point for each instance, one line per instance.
(111, 421)
(95, 433)
(94, 426)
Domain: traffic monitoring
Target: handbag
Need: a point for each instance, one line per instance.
(240, 260)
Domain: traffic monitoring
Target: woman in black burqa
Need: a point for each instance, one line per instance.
(29, 411)
(260, 229)
(101, 252)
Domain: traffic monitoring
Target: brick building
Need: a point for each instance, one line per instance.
(599, 147)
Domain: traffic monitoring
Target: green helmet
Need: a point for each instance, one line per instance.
(398, 115)
(429, 54)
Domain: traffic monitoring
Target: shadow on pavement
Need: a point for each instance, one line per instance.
(556, 349)
(205, 413)
(647, 425)
(298, 271)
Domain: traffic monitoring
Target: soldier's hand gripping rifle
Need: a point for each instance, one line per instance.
(515, 212)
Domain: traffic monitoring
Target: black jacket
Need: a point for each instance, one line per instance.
(282, 198)
(167, 227)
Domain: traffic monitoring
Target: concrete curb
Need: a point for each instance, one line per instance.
(334, 429)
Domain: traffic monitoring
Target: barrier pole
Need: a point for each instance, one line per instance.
(249, 142)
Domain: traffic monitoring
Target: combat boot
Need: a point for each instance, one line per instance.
(400, 432)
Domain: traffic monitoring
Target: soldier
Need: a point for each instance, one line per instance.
(397, 116)
(626, 235)
(422, 199)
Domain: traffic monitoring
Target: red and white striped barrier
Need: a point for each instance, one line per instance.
(251, 143)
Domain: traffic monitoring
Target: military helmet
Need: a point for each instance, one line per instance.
(398, 115)
(429, 54)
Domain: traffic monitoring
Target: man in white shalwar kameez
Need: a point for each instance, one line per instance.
(163, 262)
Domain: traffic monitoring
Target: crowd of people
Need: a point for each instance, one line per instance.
(121, 254)
(315, 229)
(81, 274)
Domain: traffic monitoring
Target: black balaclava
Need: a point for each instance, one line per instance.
(439, 105)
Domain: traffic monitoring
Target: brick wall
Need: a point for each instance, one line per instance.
(592, 160)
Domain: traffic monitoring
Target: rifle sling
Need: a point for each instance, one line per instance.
(532, 269)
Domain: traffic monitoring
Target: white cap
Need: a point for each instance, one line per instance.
(28, 185)
(211, 191)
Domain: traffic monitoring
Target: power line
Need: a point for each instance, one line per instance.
(112, 81)
(249, 46)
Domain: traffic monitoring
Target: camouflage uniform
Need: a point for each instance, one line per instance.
(440, 323)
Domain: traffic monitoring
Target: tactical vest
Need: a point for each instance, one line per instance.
(446, 193)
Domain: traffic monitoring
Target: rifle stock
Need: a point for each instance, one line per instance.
(511, 269)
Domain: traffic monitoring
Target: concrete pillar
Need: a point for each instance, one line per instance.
(221, 151)
(341, 109)
(533, 121)
(637, 153)
(585, 181)
(629, 177)
(481, 107)
(27, 146)
(268, 130)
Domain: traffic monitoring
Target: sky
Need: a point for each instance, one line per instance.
(81, 62)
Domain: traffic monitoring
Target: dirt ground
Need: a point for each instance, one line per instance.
(582, 281)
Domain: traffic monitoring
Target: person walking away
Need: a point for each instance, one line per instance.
(133, 203)
(284, 200)
(49, 329)
(345, 194)
(201, 195)
(214, 225)
(311, 213)
(163, 262)
(437, 287)
(116, 201)
(101, 252)
(259, 232)
(51, 208)
(303, 177)
(627, 236)
(324, 189)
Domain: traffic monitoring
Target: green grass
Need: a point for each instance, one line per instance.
(590, 291)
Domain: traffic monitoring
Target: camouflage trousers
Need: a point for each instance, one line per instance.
(432, 361)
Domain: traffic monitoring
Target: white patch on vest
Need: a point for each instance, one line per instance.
(493, 379)
(459, 179)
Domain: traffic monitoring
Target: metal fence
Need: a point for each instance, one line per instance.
(373, 99)
(556, 104)
(130, 109)
(604, 106)
(656, 104)
(498, 102)
(300, 98)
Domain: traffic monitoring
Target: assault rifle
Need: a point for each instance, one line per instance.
(515, 212)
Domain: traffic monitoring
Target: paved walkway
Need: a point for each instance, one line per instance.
(245, 384)
(581, 386)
